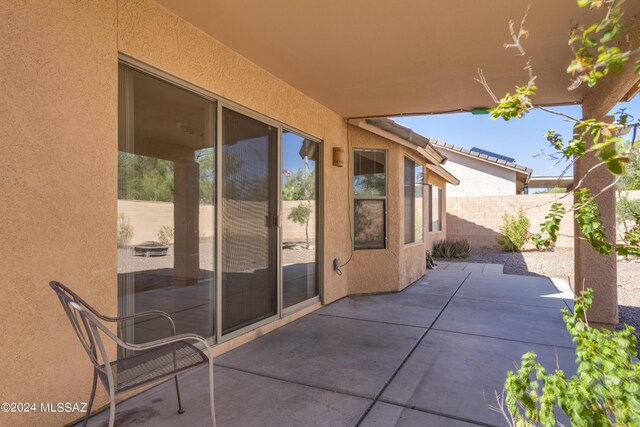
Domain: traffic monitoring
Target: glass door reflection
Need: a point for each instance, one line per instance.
(166, 196)
(299, 218)
(249, 221)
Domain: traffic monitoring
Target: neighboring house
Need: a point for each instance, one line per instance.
(483, 173)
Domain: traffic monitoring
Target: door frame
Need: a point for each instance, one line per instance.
(222, 102)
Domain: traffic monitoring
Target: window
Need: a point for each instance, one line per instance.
(413, 202)
(370, 199)
(435, 213)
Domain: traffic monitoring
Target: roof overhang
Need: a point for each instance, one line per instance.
(371, 59)
(550, 181)
(523, 173)
(442, 172)
(404, 136)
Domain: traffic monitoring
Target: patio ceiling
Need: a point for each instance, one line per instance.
(367, 58)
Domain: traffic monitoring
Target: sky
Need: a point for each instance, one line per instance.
(521, 139)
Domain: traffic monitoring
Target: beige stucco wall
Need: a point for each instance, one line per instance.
(59, 163)
(376, 270)
(478, 178)
(399, 265)
(58, 114)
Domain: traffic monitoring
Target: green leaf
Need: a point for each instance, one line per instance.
(615, 167)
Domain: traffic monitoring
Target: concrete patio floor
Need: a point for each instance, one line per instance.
(431, 355)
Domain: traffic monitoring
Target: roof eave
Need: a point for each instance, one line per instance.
(517, 168)
(431, 154)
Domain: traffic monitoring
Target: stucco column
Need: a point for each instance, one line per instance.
(594, 270)
(186, 179)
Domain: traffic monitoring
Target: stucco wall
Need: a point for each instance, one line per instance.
(59, 164)
(399, 265)
(57, 193)
(478, 178)
(376, 270)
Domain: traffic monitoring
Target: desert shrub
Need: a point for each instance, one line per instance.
(452, 248)
(165, 235)
(515, 232)
(125, 231)
(431, 264)
(627, 209)
(605, 391)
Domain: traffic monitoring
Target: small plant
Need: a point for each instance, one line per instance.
(300, 215)
(125, 231)
(605, 391)
(431, 265)
(165, 235)
(515, 232)
(452, 248)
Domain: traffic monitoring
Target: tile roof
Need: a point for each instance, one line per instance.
(481, 156)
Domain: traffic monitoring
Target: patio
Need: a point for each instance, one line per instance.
(432, 354)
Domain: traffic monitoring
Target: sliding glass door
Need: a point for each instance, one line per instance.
(249, 221)
(166, 196)
(217, 212)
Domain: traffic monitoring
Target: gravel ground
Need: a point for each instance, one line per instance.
(559, 263)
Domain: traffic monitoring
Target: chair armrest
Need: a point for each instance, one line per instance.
(96, 324)
(166, 341)
(157, 313)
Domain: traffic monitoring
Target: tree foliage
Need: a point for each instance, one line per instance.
(598, 52)
(300, 185)
(630, 179)
(605, 390)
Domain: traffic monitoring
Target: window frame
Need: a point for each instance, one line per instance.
(431, 207)
(380, 198)
(413, 186)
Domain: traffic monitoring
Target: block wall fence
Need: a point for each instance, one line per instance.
(478, 219)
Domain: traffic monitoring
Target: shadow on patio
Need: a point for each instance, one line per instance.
(433, 354)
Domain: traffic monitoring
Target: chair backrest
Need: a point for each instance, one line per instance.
(75, 308)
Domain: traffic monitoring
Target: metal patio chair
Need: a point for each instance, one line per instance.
(148, 362)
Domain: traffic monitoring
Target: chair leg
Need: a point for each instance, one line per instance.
(180, 408)
(112, 406)
(93, 394)
(211, 389)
